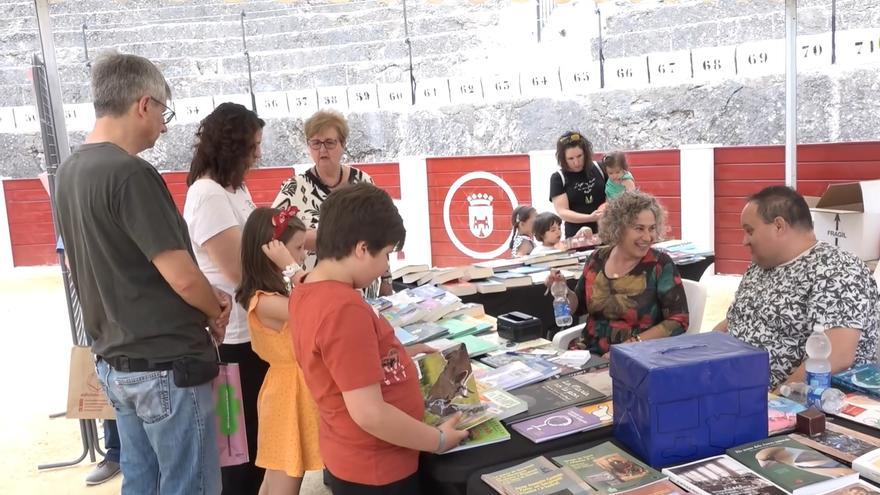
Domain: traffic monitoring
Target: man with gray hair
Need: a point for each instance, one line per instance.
(150, 312)
(796, 282)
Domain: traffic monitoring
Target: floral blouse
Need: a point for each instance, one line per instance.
(307, 193)
(619, 308)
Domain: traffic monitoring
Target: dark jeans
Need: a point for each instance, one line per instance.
(111, 441)
(406, 486)
(245, 479)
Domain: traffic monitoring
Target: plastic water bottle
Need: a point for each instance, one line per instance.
(795, 391)
(818, 366)
(833, 400)
(561, 309)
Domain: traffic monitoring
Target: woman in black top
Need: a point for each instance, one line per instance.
(577, 190)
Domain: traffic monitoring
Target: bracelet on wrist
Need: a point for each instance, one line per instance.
(290, 270)
(442, 442)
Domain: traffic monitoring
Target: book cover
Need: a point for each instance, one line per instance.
(448, 386)
(663, 487)
(858, 488)
(551, 395)
(559, 482)
(604, 412)
(511, 376)
(476, 346)
(470, 309)
(426, 292)
(486, 433)
(424, 331)
(528, 270)
(861, 409)
(402, 270)
(556, 424)
(501, 264)
(404, 337)
(840, 442)
(458, 327)
(864, 378)
(489, 287)
(502, 404)
(536, 362)
(599, 380)
(868, 465)
(792, 465)
(460, 288)
(401, 316)
(782, 413)
(474, 272)
(519, 472)
(608, 469)
(720, 475)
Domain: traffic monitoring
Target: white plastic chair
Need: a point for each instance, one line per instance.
(696, 294)
(564, 338)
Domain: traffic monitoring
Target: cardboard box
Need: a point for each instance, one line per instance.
(848, 216)
(689, 397)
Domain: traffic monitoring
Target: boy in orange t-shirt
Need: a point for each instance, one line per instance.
(363, 379)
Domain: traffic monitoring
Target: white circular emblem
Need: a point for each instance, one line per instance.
(448, 201)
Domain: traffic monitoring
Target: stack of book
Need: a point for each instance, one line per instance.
(683, 252)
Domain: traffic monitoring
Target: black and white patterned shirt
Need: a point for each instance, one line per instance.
(307, 193)
(776, 309)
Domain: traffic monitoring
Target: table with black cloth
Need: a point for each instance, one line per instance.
(532, 299)
(459, 473)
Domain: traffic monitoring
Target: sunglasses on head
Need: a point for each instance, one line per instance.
(570, 138)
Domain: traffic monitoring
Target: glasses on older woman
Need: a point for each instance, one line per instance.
(328, 144)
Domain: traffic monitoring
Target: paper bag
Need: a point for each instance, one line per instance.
(85, 396)
(231, 435)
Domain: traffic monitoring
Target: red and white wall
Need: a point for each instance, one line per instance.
(457, 209)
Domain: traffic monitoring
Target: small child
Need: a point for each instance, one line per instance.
(523, 219)
(363, 379)
(548, 231)
(273, 245)
(619, 177)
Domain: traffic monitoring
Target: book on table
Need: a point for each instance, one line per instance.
(720, 475)
(445, 275)
(782, 413)
(861, 409)
(840, 442)
(476, 346)
(551, 395)
(662, 487)
(793, 466)
(864, 378)
(609, 469)
(474, 272)
(534, 361)
(448, 387)
(489, 286)
(460, 289)
(486, 433)
(511, 376)
(538, 466)
(424, 332)
(562, 481)
(501, 404)
(414, 277)
(512, 279)
(401, 270)
(598, 379)
(868, 465)
(469, 309)
(857, 488)
(500, 265)
(604, 412)
(556, 424)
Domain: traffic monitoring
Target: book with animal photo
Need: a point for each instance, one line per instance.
(448, 386)
(608, 469)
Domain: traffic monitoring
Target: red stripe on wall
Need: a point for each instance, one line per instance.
(30, 219)
(742, 171)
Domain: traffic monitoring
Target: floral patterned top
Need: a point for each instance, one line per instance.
(619, 308)
(307, 193)
(776, 308)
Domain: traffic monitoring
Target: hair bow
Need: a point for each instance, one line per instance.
(280, 219)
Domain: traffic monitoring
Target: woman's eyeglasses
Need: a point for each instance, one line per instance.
(167, 113)
(328, 144)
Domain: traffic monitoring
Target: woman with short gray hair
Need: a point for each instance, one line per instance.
(629, 291)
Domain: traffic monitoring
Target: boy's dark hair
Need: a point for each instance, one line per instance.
(543, 222)
(615, 159)
(785, 202)
(356, 213)
(258, 272)
(225, 139)
(520, 214)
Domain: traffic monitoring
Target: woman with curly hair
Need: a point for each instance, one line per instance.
(629, 291)
(217, 206)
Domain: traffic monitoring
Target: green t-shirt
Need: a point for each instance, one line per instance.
(116, 214)
(613, 189)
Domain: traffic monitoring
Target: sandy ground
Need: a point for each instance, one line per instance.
(33, 316)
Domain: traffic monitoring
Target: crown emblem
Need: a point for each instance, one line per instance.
(480, 199)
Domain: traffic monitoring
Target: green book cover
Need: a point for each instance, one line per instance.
(608, 469)
(475, 345)
(790, 464)
(457, 327)
(524, 470)
(563, 481)
(487, 433)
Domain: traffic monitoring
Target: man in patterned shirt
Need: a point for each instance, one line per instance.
(796, 282)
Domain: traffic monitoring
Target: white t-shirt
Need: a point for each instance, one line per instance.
(209, 210)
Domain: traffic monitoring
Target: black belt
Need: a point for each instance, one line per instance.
(127, 364)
